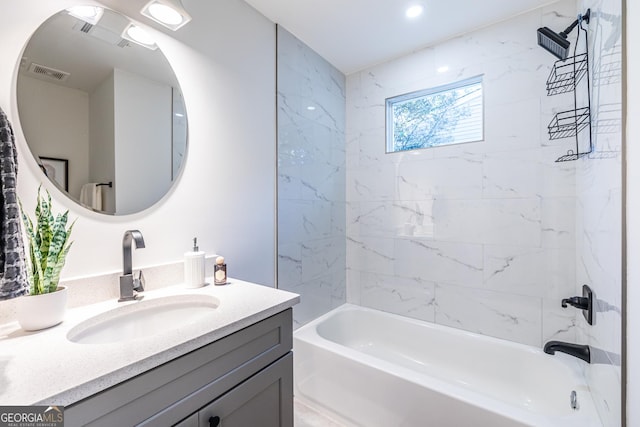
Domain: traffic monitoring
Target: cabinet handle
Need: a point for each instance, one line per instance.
(214, 421)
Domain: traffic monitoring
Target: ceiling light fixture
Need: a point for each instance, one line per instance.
(137, 35)
(90, 14)
(443, 69)
(167, 13)
(414, 11)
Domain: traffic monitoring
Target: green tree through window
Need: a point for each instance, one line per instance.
(440, 116)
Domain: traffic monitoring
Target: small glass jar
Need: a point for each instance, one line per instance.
(220, 272)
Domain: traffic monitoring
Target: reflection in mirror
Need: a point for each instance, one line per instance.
(105, 109)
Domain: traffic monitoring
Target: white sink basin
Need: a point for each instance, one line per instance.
(145, 318)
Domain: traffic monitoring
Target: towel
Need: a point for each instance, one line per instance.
(91, 195)
(13, 273)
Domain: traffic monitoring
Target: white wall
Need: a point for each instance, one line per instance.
(101, 142)
(58, 121)
(142, 141)
(493, 249)
(632, 148)
(225, 63)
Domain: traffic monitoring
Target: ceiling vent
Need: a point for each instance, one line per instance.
(83, 27)
(48, 72)
(86, 27)
(102, 33)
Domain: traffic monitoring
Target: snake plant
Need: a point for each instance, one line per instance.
(48, 246)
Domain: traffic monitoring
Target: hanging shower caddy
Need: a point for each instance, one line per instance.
(565, 76)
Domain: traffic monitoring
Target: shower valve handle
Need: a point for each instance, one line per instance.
(586, 303)
(578, 302)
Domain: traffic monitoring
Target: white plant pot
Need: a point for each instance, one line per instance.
(42, 311)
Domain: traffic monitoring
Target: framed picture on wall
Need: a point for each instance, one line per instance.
(57, 170)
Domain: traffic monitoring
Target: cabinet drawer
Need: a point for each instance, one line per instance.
(264, 400)
(180, 387)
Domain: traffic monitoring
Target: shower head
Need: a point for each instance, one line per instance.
(555, 43)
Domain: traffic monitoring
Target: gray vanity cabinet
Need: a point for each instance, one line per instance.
(244, 379)
(256, 402)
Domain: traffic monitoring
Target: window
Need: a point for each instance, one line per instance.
(450, 114)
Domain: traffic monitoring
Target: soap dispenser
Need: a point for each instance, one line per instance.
(194, 267)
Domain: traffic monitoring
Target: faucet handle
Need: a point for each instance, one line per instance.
(578, 302)
(138, 282)
(585, 303)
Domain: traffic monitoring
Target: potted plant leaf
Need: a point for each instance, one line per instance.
(48, 247)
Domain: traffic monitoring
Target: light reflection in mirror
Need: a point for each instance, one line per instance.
(110, 109)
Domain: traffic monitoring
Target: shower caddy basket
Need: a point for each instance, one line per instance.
(564, 77)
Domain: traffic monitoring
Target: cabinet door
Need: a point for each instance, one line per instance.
(191, 421)
(265, 400)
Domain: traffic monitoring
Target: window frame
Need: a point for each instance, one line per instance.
(389, 102)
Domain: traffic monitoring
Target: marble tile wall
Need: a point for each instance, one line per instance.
(599, 207)
(311, 178)
(478, 236)
(487, 236)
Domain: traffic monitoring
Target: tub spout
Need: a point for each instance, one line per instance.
(580, 351)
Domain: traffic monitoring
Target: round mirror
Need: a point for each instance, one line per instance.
(101, 110)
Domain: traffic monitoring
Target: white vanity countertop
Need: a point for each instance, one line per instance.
(44, 367)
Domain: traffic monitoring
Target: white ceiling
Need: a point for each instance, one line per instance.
(350, 34)
(355, 34)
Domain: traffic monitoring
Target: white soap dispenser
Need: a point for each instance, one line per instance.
(194, 267)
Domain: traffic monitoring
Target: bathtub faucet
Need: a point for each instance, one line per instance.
(580, 351)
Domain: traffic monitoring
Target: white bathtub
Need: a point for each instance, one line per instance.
(368, 368)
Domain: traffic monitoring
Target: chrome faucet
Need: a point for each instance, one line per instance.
(129, 284)
(580, 351)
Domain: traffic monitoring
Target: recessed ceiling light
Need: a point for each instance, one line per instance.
(167, 13)
(443, 69)
(164, 13)
(90, 14)
(139, 36)
(311, 108)
(414, 11)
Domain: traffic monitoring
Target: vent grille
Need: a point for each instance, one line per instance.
(86, 27)
(102, 33)
(48, 72)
